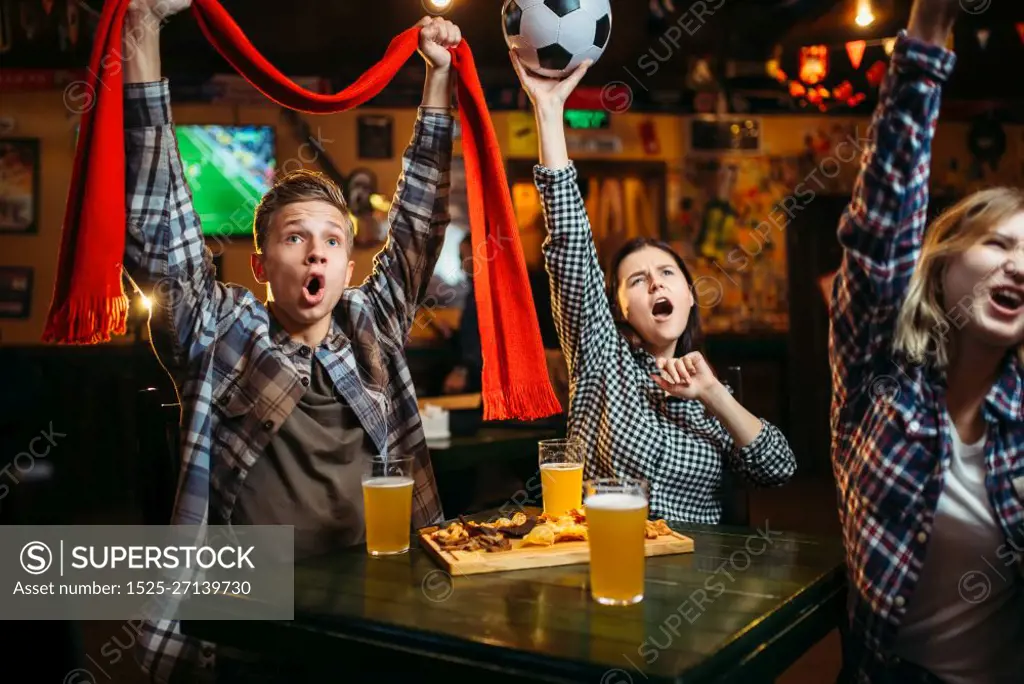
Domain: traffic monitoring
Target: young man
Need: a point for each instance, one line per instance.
(284, 400)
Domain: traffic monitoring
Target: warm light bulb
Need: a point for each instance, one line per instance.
(439, 4)
(147, 303)
(864, 15)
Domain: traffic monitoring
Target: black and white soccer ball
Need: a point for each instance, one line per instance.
(553, 37)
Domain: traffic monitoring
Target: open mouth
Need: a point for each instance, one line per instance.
(662, 308)
(1008, 299)
(313, 289)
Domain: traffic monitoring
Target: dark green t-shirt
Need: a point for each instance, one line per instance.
(310, 475)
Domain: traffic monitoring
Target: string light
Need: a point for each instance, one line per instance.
(864, 15)
(438, 6)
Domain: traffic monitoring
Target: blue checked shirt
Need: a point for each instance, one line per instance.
(238, 374)
(630, 426)
(891, 439)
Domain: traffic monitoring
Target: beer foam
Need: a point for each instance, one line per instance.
(388, 481)
(562, 466)
(614, 501)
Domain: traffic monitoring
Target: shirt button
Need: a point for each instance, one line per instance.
(922, 537)
(304, 350)
(267, 425)
(865, 501)
(915, 426)
(900, 601)
(305, 381)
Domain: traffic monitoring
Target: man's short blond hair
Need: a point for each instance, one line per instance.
(302, 185)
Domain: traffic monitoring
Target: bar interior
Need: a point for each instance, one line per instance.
(733, 132)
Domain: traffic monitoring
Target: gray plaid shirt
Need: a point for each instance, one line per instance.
(238, 374)
(630, 426)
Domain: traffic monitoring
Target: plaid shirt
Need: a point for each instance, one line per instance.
(891, 437)
(238, 374)
(631, 426)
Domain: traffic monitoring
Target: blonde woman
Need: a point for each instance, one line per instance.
(928, 399)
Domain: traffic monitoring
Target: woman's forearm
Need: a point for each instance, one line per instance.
(742, 425)
(551, 134)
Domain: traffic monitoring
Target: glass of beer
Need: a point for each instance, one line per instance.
(561, 475)
(387, 503)
(616, 510)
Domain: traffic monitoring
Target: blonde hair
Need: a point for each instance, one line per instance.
(922, 325)
(302, 185)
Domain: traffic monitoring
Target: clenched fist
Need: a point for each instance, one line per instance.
(688, 377)
(437, 35)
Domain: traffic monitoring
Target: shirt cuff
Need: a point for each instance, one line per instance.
(912, 55)
(543, 175)
(147, 105)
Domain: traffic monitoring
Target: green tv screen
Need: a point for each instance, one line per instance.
(229, 168)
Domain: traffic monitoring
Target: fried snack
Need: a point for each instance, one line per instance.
(519, 518)
(451, 536)
(541, 535)
(571, 532)
(655, 529)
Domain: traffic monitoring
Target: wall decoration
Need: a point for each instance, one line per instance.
(855, 50)
(374, 137)
(19, 185)
(731, 224)
(15, 291)
(813, 63)
(987, 142)
(46, 33)
(369, 209)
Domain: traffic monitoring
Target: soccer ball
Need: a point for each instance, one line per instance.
(553, 37)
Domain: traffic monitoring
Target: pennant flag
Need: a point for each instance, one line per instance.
(855, 49)
(983, 35)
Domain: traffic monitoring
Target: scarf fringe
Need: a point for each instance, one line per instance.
(521, 402)
(88, 320)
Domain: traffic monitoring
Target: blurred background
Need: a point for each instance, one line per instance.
(699, 125)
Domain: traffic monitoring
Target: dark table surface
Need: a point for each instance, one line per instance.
(741, 608)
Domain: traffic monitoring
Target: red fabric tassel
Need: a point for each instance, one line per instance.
(89, 303)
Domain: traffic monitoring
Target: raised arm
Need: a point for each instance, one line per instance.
(164, 249)
(882, 228)
(579, 305)
(419, 213)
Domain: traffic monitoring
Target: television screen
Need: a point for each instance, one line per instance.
(229, 168)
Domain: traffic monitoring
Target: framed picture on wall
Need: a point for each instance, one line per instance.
(19, 185)
(374, 137)
(15, 291)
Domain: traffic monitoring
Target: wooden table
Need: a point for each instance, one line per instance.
(742, 608)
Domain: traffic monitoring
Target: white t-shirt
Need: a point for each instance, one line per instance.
(965, 620)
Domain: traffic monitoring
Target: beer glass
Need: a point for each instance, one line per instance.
(561, 475)
(387, 504)
(616, 511)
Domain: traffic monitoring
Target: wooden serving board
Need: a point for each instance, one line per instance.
(525, 557)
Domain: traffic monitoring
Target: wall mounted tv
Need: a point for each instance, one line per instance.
(228, 169)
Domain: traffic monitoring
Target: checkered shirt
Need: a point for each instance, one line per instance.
(630, 426)
(891, 441)
(237, 373)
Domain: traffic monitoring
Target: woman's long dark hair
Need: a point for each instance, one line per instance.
(692, 338)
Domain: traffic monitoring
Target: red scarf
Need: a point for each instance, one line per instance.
(89, 303)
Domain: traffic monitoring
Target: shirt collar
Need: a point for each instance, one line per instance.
(1006, 398)
(280, 337)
